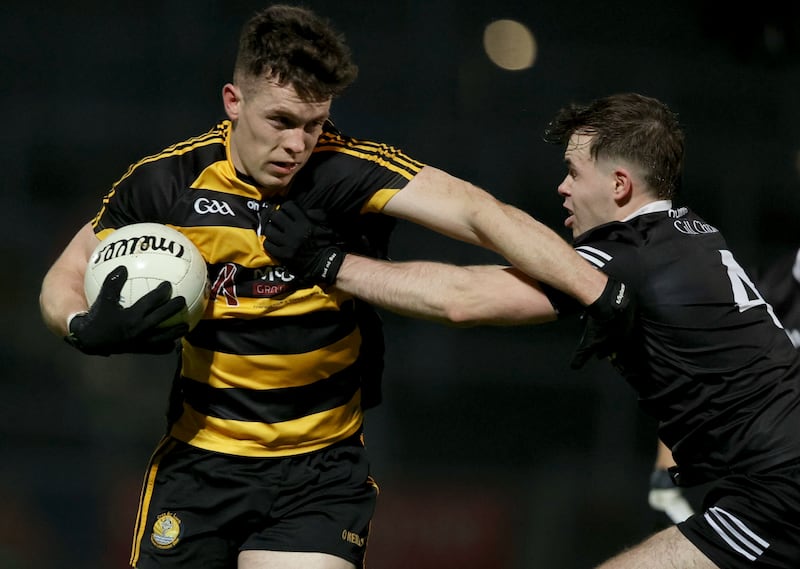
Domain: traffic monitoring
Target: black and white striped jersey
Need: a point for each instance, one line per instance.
(709, 358)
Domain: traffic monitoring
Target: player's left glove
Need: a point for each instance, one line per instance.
(608, 323)
(302, 241)
(665, 497)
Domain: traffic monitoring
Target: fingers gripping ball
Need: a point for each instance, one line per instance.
(109, 328)
(151, 253)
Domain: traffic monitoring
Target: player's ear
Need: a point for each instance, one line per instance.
(232, 100)
(623, 185)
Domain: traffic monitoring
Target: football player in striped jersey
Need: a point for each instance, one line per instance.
(263, 462)
(706, 353)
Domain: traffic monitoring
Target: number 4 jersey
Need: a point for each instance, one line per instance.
(709, 359)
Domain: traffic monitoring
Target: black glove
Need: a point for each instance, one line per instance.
(108, 328)
(303, 242)
(609, 322)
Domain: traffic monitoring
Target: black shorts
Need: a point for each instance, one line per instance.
(200, 508)
(750, 521)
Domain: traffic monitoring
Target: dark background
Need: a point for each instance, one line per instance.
(490, 452)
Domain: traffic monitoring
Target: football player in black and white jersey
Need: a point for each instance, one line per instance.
(779, 284)
(705, 352)
(263, 462)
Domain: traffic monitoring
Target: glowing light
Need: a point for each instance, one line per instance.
(510, 45)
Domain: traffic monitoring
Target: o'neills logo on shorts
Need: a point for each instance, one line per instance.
(166, 531)
(353, 537)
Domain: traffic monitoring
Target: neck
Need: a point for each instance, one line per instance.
(647, 206)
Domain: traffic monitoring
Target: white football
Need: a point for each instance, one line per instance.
(152, 253)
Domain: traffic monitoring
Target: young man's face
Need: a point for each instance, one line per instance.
(275, 130)
(588, 188)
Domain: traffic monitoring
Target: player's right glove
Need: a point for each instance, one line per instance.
(665, 497)
(608, 323)
(108, 328)
(303, 242)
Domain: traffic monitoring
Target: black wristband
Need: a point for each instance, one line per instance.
(614, 299)
(74, 322)
(329, 261)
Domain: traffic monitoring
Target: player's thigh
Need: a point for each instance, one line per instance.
(253, 559)
(668, 549)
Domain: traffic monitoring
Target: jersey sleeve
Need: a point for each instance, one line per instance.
(610, 248)
(139, 196)
(347, 176)
(613, 248)
(151, 188)
(352, 180)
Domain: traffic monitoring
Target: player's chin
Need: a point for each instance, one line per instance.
(275, 180)
(573, 227)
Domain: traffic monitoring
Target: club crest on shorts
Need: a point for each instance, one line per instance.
(166, 531)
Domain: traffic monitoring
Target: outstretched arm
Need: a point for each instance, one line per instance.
(445, 293)
(461, 210)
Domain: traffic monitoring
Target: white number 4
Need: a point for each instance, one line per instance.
(740, 283)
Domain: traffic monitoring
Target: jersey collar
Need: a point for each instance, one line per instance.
(652, 207)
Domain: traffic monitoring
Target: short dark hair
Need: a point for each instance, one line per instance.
(294, 46)
(640, 129)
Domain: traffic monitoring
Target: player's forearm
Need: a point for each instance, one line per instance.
(410, 288)
(461, 210)
(62, 288)
(445, 293)
(538, 251)
(61, 295)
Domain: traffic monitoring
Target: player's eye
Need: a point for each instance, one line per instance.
(279, 121)
(314, 126)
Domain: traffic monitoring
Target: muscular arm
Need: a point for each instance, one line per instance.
(447, 293)
(62, 288)
(460, 210)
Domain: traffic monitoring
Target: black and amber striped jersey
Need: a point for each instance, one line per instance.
(273, 368)
(709, 359)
